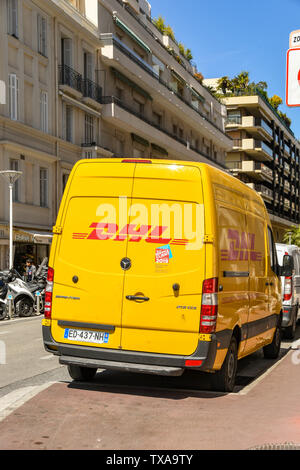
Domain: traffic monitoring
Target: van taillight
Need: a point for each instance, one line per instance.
(287, 293)
(48, 293)
(209, 307)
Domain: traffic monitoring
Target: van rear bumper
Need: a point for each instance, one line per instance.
(159, 364)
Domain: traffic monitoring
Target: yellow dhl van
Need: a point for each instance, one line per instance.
(159, 267)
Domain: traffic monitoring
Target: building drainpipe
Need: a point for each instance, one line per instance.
(56, 115)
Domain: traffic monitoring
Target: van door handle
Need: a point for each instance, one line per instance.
(136, 297)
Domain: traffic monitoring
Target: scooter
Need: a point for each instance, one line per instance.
(37, 287)
(15, 288)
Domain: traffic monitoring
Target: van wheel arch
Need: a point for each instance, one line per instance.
(237, 334)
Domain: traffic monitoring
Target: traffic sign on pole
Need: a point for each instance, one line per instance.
(293, 77)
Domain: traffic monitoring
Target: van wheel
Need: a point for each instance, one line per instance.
(272, 350)
(290, 331)
(224, 379)
(81, 374)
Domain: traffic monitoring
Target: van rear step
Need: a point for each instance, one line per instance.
(122, 366)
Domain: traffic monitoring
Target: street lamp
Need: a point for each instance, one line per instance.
(11, 177)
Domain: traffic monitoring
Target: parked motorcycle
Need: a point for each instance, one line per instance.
(14, 286)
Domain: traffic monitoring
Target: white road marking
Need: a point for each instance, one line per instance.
(4, 332)
(13, 400)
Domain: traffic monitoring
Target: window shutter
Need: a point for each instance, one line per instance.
(44, 111)
(12, 17)
(13, 96)
(67, 52)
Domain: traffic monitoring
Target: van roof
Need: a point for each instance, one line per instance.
(217, 176)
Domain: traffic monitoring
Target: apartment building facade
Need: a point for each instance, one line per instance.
(91, 79)
(266, 156)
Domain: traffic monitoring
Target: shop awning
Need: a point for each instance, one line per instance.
(130, 33)
(26, 236)
(41, 238)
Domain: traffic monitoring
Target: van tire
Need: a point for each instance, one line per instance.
(224, 379)
(272, 350)
(81, 374)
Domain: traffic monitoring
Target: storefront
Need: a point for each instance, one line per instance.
(28, 244)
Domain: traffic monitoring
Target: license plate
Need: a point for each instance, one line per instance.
(86, 336)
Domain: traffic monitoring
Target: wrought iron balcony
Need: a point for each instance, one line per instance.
(85, 86)
(91, 90)
(68, 76)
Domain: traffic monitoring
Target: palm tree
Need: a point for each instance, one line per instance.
(292, 236)
(224, 84)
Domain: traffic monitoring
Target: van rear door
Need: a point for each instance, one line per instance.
(88, 279)
(162, 289)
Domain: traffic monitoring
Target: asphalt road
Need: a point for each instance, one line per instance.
(27, 363)
(41, 408)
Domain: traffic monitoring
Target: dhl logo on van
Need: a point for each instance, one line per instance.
(134, 233)
(241, 248)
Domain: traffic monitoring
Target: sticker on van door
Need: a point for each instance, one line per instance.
(163, 254)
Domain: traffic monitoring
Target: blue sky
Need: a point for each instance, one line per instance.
(227, 37)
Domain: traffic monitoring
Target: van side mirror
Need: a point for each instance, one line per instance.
(287, 266)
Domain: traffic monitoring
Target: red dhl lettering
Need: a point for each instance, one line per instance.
(130, 232)
(241, 247)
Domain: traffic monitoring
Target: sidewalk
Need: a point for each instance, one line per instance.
(98, 416)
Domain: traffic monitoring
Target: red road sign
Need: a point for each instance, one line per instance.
(293, 78)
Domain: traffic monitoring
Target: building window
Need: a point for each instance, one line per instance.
(13, 97)
(157, 119)
(66, 52)
(44, 111)
(12, 17)
(89, 129)
(140, 107)
(88, 65)
(14, 165)
(43, 187)
(42, 35)
(64, 180)
(68, 123)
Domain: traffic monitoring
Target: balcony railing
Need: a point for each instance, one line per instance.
(91, 90)
(68, 76)
(129, 109)
(264, 147)
(73, 79)
(233, 120)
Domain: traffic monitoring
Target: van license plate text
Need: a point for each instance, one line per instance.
(85, 336)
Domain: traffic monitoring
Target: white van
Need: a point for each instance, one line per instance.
(290, 289)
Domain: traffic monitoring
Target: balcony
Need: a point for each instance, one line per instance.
(72, 82)
(286, 169)
(134, 4)
(70, 78)
(91, 90)
(123, 116)
(258, 149)
(116, 54)
(263, 191)
(286, 187)
(253, 125)
(256, 170)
